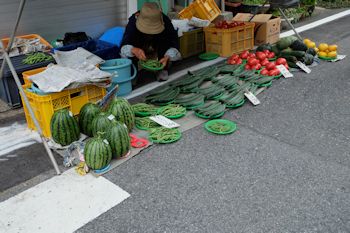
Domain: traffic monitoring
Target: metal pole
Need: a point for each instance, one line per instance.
(15, 76)
(290, 24)
(12, 37)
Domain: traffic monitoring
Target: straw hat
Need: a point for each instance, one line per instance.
(150, 20)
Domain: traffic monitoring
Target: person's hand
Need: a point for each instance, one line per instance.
(164, 60)
(139, 53)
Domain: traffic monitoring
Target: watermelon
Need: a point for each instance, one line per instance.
(101, 123)
(64, 127)
(87, 113)
(97, 153)
(122, 111)
(119, 140)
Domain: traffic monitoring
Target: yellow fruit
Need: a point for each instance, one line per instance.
(323, 47)
(306, 41)
(317, 50)
(322, 54)
(311, 44)
(326, 51)
(333, 48)
(332, 54)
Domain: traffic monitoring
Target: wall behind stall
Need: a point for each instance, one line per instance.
(52, 18)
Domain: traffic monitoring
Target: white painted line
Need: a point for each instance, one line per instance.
(317, 23)
(62, 204)
(177, 75)
(15, 137)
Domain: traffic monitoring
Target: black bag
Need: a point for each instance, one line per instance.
(75, 37)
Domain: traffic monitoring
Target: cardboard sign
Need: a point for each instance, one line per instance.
(303, 67)
(163, 121)
(284, 71)
(252, 98)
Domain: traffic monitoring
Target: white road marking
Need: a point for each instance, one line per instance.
(62, 204)
(317, 23)
(15, 137)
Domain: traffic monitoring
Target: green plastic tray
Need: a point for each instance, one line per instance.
(142, 114)
(236, 105)
(217, 97)
(206, 117)
(195, 106)
(327, 58)
(209, 56)
(231, 124)
(179, 135)
(269, 84)
(171, 117)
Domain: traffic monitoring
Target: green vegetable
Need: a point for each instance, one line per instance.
(101, 123)
(33, 58)
(285, 42)
(297, 54)
(142, 109)
(308, 59)
(97, 153)
(164, 135)
(164, 96)
(211, 109)
(172, 110)
(311, 51)
(264, 47)
(145, 123)
(298, 45)
(151, 64)
(122, 111)
(190, 100)
(119, 140)
(87, 114)
(219, 127)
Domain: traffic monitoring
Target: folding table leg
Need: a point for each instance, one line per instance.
(289, 23)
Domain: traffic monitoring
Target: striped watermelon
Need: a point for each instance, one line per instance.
(119, 140)
(87, 113)
(97, 153)
(64, 127)
(101, 123)
(122, 111)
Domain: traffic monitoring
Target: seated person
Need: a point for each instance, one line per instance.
(151, 35)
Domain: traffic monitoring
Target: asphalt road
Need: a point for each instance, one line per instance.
(287, 169)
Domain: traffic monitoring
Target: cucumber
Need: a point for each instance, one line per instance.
(297, 54)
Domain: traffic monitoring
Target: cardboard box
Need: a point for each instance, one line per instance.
(267, 28)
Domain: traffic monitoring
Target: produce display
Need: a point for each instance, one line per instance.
(164, 135)
(142, 109)
(64, 127)
(189, 101)
(224, 24)
(255, 61)
(172, 111)
(37, 57)
(87, 114)
(118, 137)
(145, 123)
(122, 111)
(210, 110)
(220, 126)
(164, 96)
(97, 153)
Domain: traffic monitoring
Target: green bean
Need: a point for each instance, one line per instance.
(151, 63)
(172, 110)
(163, 134)
(220, 127)
(146, 123)
(33, 58)
(144, 108)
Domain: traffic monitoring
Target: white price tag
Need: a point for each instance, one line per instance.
(70, 114)
(303, 67)
(252, 98)
(339, 58)
(284, 71)
(111, 117)
(105, 141)
(163, 121)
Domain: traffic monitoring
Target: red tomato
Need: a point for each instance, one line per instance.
(274, 72)
(264, 62)
(247, 67)
(286, 65)
(267, 52)
(252, 55)
(281, 61)
(261, 56)
(264, 72)
(253, 61)
(271, 55)
(270, 66)
(234, 56)
(239, 61)
(244, 55)
(257, 67)
(231, 62)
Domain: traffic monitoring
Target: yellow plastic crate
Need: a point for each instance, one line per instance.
(44, 106)
(203, 9)
(228, 41)
(192, 43)
(29, 73)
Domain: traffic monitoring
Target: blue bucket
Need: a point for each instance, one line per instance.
(121, 71)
